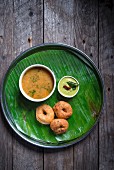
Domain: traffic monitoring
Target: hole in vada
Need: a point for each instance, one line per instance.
(64, 110)
(44, 113)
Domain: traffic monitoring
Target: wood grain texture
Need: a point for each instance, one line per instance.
(86, 28)
(28, 31)
(58, 159)
(19, 21)
(86, 39)
(106, 56)
(26, 156)
(28, 24)
(78, 22)
(6, 40)
(58, 21)
(58, 27)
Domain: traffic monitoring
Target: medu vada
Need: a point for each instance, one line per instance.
(59, 126)
(62, 110)
(44, 114)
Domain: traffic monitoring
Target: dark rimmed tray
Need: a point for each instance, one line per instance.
(87, 105)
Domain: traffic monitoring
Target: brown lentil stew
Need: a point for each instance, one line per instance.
(37, 82)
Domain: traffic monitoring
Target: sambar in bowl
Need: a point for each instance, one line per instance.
(37, 82)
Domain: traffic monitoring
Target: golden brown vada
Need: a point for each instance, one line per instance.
(44, 114)
(59, 126)
(62, 110)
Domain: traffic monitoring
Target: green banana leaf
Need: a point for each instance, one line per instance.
(62, 61)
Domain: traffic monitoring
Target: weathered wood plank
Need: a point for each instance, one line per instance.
(26, 156)
(75, 23)
(28, 24)
(28, 31)
(86, 152)
(106, 57)
(58, 21)
(106, 127)
(86, 28)
(58, 27)
(58, 159)
(86, 39)
(6, 38)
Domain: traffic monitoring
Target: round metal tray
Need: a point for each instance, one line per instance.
(63, 59)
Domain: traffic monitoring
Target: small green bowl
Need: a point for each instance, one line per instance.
(68, 86)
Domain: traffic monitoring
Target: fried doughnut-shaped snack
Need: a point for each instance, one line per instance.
(62, 110)
(59, 126)
(44, 114)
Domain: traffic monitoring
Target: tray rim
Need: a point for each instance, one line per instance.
(33, 141)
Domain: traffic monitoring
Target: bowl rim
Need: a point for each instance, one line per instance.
(24, 93)
(68, 96)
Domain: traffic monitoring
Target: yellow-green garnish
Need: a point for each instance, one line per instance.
(72, 84)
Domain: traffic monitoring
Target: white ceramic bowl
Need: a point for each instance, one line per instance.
(21, 77)
(63, 82)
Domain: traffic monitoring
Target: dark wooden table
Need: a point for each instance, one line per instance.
(87, 25)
